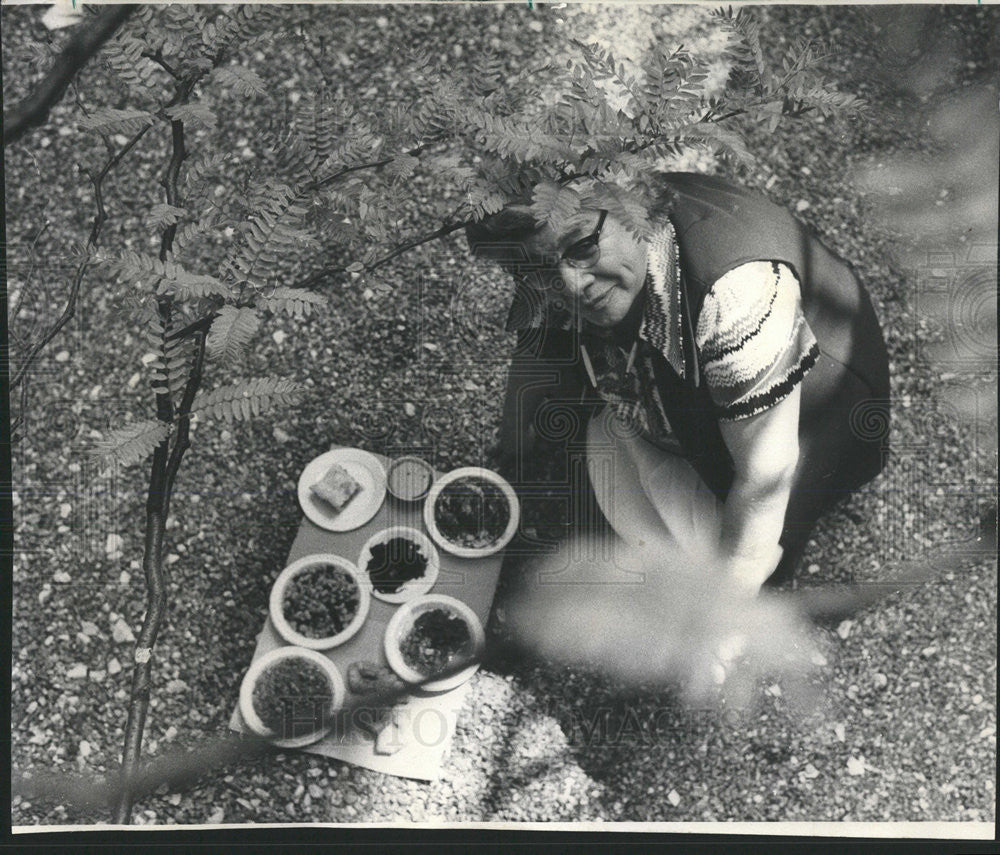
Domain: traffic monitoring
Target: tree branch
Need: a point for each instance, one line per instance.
(95, 231)
(157, 504)
(85, 42)
(183, 441)
(160, 61)
(446, 229)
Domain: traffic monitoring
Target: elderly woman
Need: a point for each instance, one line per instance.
(733, 368)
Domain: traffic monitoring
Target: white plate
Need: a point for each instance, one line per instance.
(402, 622)
(364, 468)
(278, 596)
(258, 667)
(485, 475)
(415, 587)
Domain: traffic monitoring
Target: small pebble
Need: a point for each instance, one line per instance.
(113, 546)
(62, 356)
(121, 632)
(279, 336)
(674, 798)
(114, 666)
(77, 672)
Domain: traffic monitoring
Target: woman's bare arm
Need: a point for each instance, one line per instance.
(765, 452)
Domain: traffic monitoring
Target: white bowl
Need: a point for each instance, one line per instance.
(415, 587)
(402, 622)
(258, 667)
(485, 475)
(278, 596)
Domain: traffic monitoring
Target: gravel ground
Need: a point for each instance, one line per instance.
(909, 730)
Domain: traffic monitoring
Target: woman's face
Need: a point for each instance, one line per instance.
(603, 292)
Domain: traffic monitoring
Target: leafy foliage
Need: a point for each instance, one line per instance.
(242, 80)
(231, 331)
(296, 302)
(112, 121)
(165, 277)
(130, 444)
(242, 401)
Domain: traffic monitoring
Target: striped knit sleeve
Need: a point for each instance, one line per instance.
(754, 344)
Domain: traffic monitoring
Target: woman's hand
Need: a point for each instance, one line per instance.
(765, 450)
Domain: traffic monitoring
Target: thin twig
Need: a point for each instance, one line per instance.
(160, 61)
(95, 231)
(446, 229)
(85, 42)
(31, 271)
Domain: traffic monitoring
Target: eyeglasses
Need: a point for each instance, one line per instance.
(586, 251)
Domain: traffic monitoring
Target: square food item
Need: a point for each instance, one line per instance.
(336, 488)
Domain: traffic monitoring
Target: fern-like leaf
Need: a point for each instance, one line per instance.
(146, 272)
(195, 113)
(292, 301)
(163, 215)
(231, 331)
(112, 121)
(554, 204)
(242, 80)
(130, 444)
(242, 401)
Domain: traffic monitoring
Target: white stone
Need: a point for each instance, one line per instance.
(113, 546)
(121, 632)
(856, 766)
(133, 381)
(77, 672)
(279, 336)
(114, 666)
(85, 748)
(674, 798)
(62, 356)
(65, 509)
(62, 577)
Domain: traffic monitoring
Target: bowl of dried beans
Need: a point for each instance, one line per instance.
(290, 695)
(319, 601)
